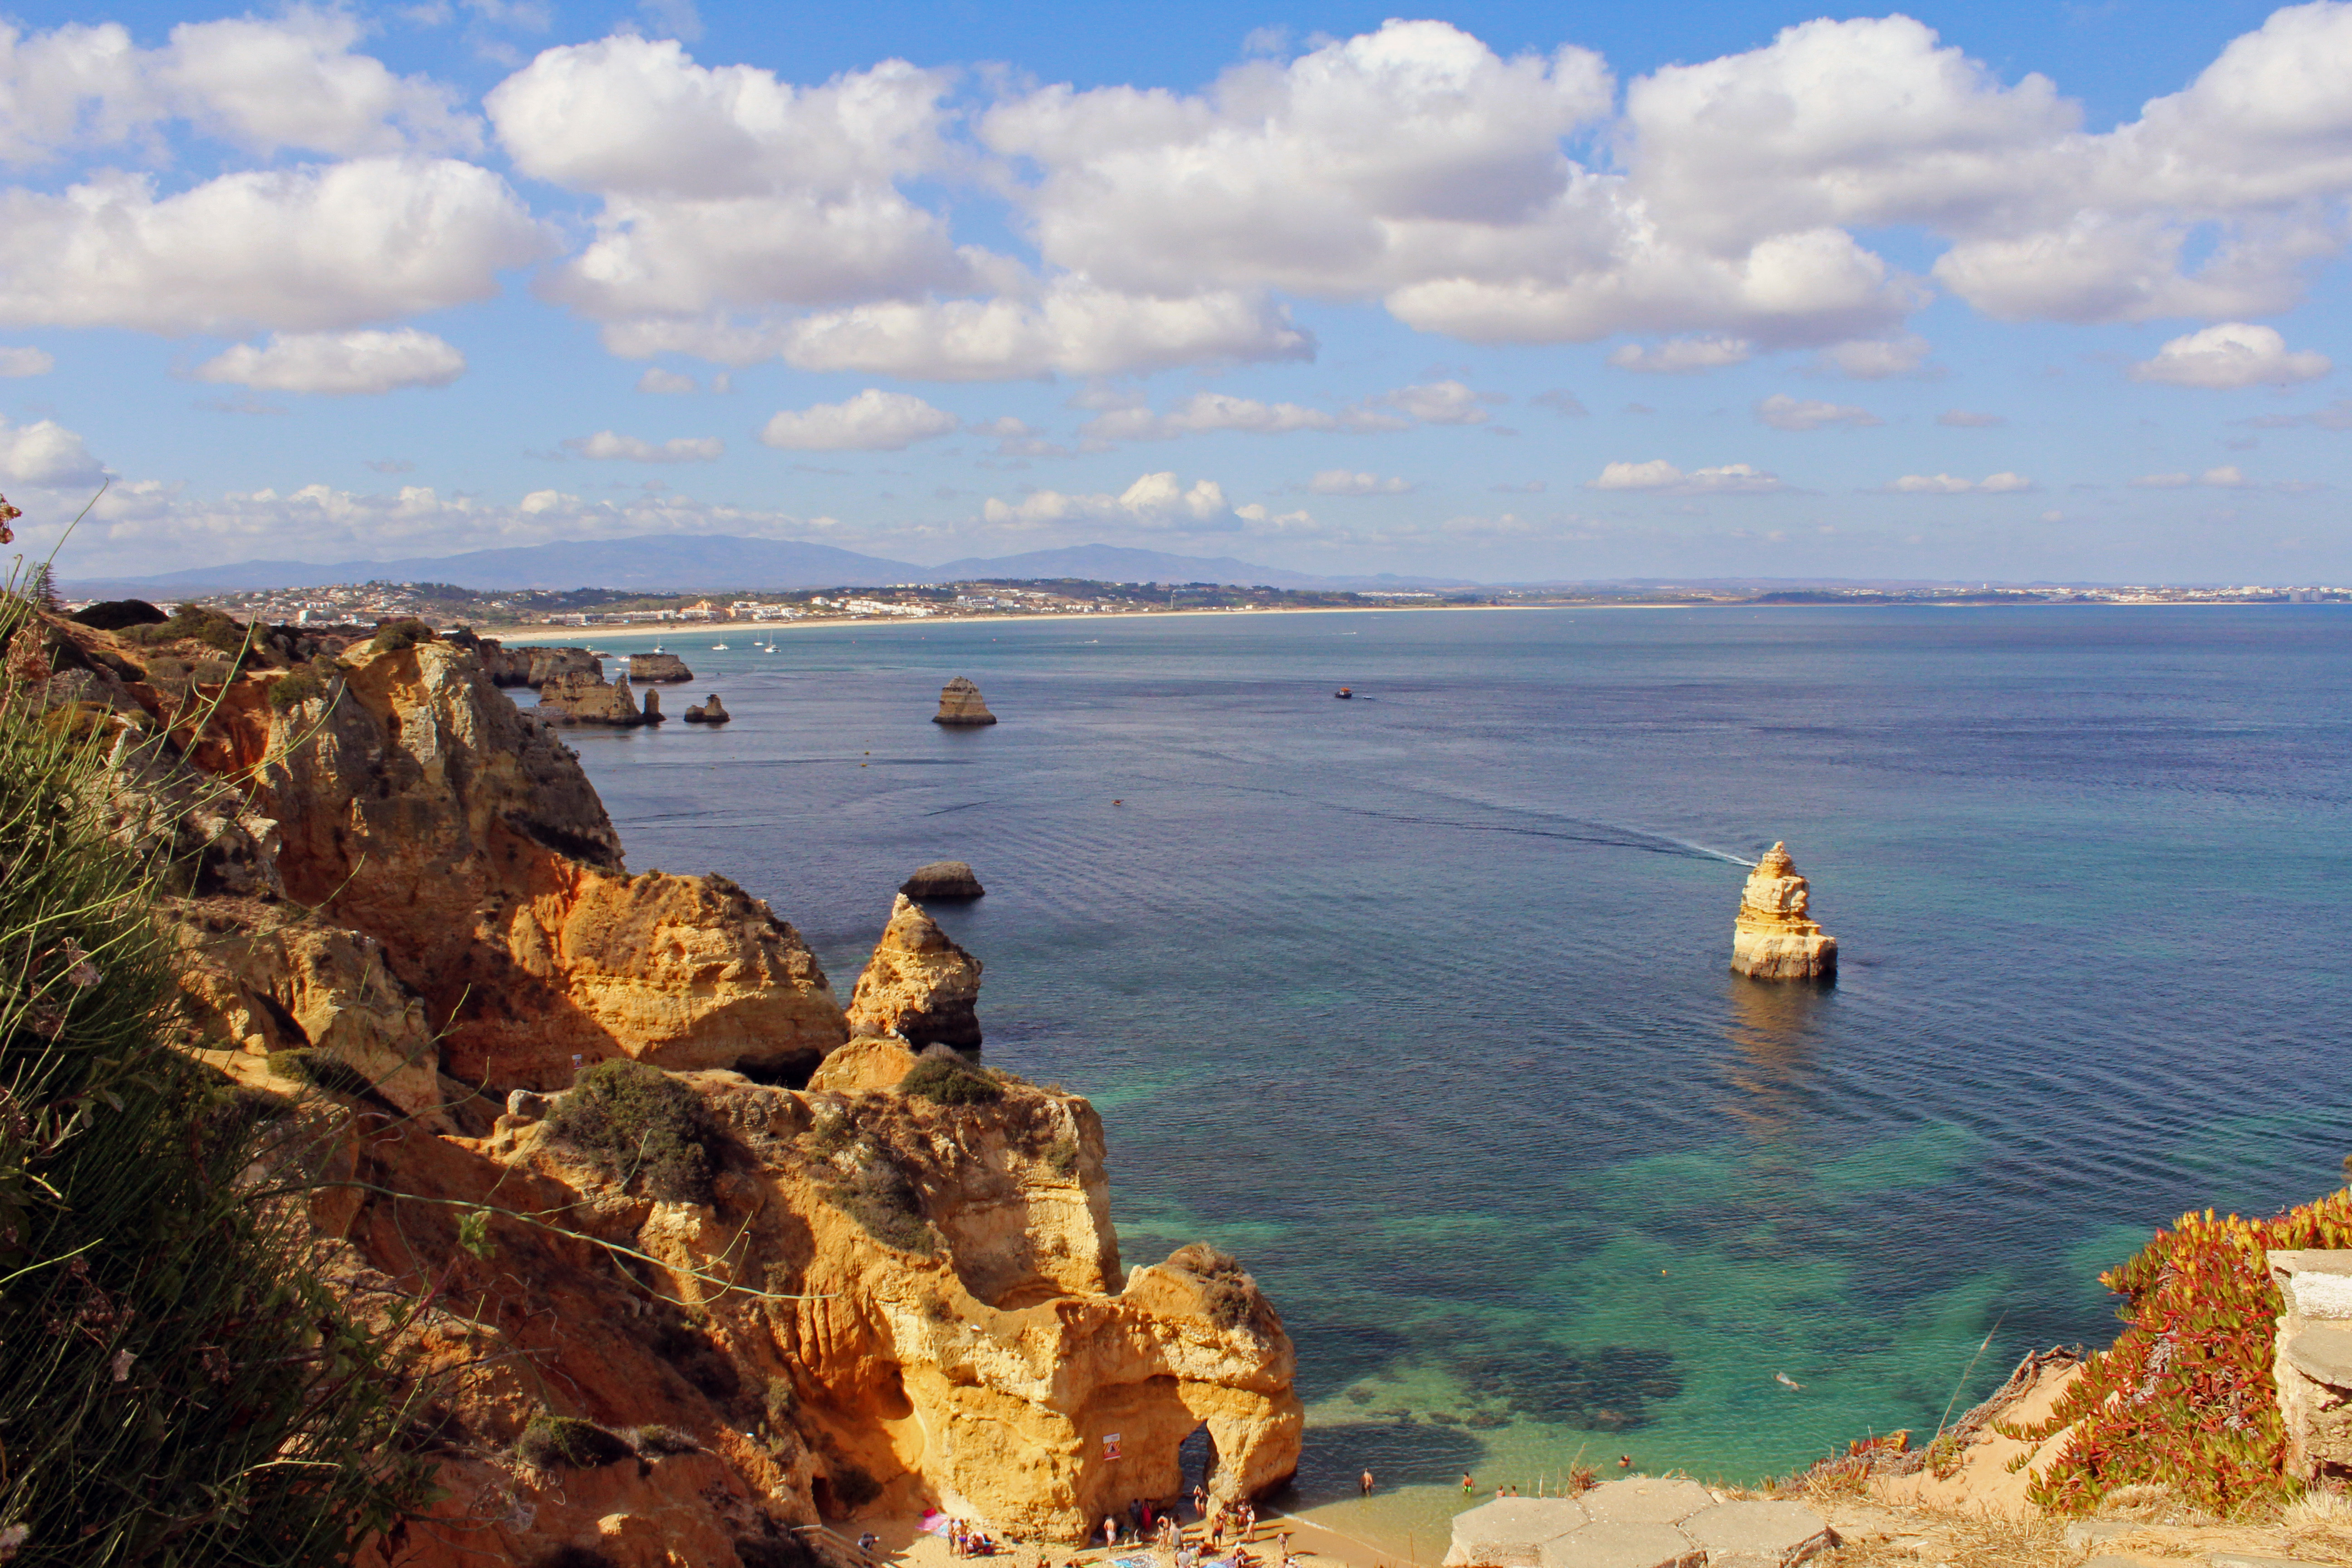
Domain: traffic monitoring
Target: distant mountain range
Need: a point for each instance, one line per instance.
(692, 563)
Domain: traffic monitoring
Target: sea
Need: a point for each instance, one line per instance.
(1419, 1002)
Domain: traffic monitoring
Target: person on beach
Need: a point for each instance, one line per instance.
(1365, 1481)
(1110, 1532)
(1465, 1483)
(1200, 1502)
(865, 1545)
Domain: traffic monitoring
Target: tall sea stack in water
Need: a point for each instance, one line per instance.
(959, 704)
(1772, 939)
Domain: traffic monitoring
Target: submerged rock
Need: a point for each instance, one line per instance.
(919, 984)
(942, 879)
(708, 711)
(959, 703)
(1773, 938)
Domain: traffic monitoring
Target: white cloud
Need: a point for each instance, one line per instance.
(1561, 400)
(19, 362)
(337, 364)
(288, 82)
(1783, 412)
(1659, 475)
(1442, 403)
(667, 383)
(604, 444)
(1204, 411)
(47, 455)
(2228, 477)
(1961, 419)
(2232, 354)
(1951, 485)
(1342, 482)
(873, 421)
(1155, 501)
(1681, 356)
(1877, 359)
(297, 249)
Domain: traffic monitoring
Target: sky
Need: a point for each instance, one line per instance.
(1509, 292)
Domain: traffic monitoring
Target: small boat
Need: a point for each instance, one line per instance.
(1345, 691)
(718, 648)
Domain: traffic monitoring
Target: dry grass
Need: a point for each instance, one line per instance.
(1960, 1540)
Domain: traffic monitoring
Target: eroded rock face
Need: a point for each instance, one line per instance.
(961, 704)
(709, 710)
(658, 669)
(919, 984)
(1773, 938)
(580, 696)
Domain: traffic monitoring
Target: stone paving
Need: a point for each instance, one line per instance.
(1637, 1523)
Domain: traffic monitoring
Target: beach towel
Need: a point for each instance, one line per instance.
(935, 1523)
(1130, 1563)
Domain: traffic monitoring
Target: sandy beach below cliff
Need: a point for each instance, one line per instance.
(903, 1543)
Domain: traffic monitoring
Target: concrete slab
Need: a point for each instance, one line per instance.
(2322, 1352)
(1645, 1500)
(1510, 1531)
(1643, 1545)
(1759, 1534)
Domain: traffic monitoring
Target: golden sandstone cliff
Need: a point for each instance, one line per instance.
(1773, 938)
(896, 1286)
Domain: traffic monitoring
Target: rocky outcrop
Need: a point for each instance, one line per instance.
(1773, 938)
(579, 697)
(651, 710)
(658, 669)
(949, 881)
(961, 704)
(887, 1304)
(535, 666)
(919, 984)
(709, 710)
(2312, 1362)
(898, 1288)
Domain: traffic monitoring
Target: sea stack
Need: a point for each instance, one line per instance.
(664, 668)
(707, 711)
(583, 697)
(1772, 939)
(942, 879)
(918, 986)
(959, 704)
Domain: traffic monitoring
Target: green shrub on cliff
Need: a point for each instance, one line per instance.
(641, 1123)
(566, 1442)
(177, 1387)
(2186, 1395)
(945, 1079)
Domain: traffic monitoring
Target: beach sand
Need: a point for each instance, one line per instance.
(1315, 1544)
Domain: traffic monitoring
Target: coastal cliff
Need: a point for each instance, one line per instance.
(919, 984)
(652, 1297)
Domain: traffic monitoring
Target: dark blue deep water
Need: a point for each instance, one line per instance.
(1420, 1004)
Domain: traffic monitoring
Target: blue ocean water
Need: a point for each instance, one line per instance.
(1419, 1002)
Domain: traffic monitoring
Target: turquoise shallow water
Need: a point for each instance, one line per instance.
(1419, 1002)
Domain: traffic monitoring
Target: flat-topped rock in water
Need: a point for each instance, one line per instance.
(961, 704)
(942, 879)
(1773, 939)
(534, 666)
(583, 697)
(708, 711)
(658, 669)
(1640, 1522)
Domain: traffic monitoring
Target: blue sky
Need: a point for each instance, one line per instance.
(1511, 292)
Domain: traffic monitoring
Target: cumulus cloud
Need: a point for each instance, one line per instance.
(291, 81)
(1159, 502)
(1877, 359)
(2227, 478)
(1682, 356)
(1961, 419)
(1342, 482)
(605, 445)
(873, 421)
(337, 364)
(1442, 403)
(1204, 411)
(1952, 484)
(2230, 355)
(47, 455)
(295, 249)
(667, 383)
(1783, 412)
(19, 362)
(1659, 475)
